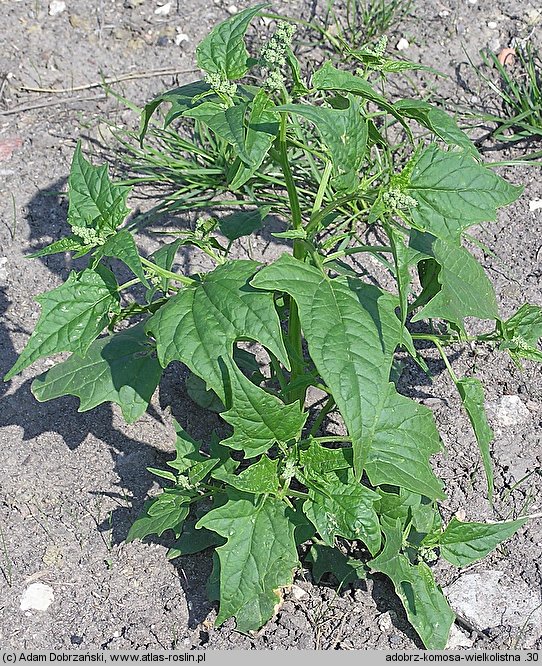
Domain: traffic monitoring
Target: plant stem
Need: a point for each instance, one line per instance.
(441, 351)
(322, 188)
(330, 403)
(373, 249)
(294, 323)
(323, 440)
(162, 272)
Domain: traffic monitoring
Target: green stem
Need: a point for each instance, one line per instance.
(323, 440)
(162, 272)
(330, 403)
(441, 351)
(297, 493)
(373, 249)
(322, 188)
(288, 177)
(294, 323)
(127, 285)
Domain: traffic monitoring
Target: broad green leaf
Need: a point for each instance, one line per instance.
(405, 437)
(327, 560)
(182, 99)
(465, 288)
(338, 505)
(258, 418)
(344, 132)
(120, 368)
(318, 459)
(472, 395)
(425, 605)
(200, 324)
(67, 244)
(261, 132)
(193, 541)
(410, 508)
(93, 200)
(72, 316)
(299, 88)
(257, 560)
(438, 121)
(522, 332)
(223, 51)
(201, 395)
(403, 259)
(329, 77)
(260, 478)
(122, 246)
(351, 338)
(187, 451)
(165, 512)
(243, 223)
(465, 543)
(225, 123)
(164, 257)
(453, 192)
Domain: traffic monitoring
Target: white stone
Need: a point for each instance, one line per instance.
(56, 7)
(3, 268)
(535, 204)
(37, 596)
(385, 623)
(457, 639)
(233, 9)
(163, 10)
(298, 592)
(403, 44)
(492, 25)
(493, 598)
(509, 411)
(180, 38)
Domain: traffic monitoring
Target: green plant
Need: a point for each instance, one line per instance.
(277, 481)
(518, 90)
(355, 23)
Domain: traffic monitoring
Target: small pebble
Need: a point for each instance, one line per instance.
(37, 596)
(180, 38)
(510, 410)
(403, 44)
(3, 268)
(56, 7)
(233, 9)
(535, 204)
(298, 592)
(163, 10)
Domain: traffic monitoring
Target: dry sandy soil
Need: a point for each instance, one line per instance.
(70, 484)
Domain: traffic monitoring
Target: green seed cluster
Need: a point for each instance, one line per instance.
(88, 235)
(273, 53)
(380, 47)
(399, 200)
(220, 84)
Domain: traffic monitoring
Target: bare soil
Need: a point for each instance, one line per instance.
(71, 484)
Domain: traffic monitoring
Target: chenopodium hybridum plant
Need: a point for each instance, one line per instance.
(278, 481)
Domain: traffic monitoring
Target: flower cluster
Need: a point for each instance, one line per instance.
(273, 53)
(220, 84)
(399, 200)
(379, 49)
(88, 235)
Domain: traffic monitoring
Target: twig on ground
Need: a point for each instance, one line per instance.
(53, 102)
(109, 80)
